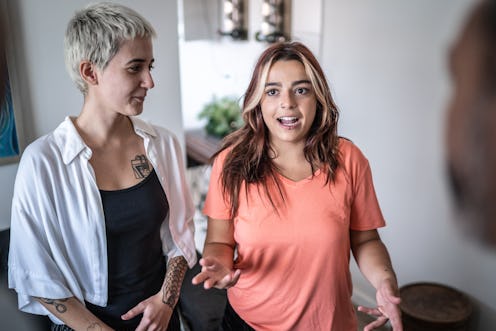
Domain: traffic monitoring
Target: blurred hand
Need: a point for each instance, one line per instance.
(214, 274)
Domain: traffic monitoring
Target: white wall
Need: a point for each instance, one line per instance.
(223, 67)
(386, 62)
(47, 93)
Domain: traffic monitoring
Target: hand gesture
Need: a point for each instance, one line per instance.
(214, 274)
(156, 314)
(387, 307)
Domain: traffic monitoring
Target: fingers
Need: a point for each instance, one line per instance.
(225, 282)
(235, 277)
(138, 309)
(370, 311)
(380, 321)
(390, 295)
(396, 322)
(394, 315)
(208, 262)
(200, 278)
(148, 325)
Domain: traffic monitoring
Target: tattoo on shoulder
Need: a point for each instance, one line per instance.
(176, 269)
(57, 303)
(141, 166)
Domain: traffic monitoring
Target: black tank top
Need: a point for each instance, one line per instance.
(136, 264)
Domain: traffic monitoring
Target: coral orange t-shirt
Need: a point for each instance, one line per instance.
(295, 262)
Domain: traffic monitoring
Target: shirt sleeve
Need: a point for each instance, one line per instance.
(215, 205)
(178, 233)
(33, 270)
(365, 213)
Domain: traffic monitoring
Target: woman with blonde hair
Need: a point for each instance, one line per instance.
(102, 220)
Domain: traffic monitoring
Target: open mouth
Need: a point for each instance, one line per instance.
(288, 120)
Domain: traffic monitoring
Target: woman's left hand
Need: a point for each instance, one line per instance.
(387, 307)
(156, 314)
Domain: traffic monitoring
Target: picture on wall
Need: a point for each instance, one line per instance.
(9, 144)
(10, 131)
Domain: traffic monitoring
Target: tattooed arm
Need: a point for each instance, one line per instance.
(73, 313)
(157, 310)
(176, 270)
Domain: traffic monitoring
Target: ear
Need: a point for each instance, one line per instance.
(88, 72)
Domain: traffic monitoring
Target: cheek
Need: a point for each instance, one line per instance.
(268, 108)
(310, 110)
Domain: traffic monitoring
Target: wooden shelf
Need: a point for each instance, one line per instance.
(200, 146)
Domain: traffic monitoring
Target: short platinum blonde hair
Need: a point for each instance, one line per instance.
(96, 33)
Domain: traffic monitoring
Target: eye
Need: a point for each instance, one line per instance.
(301, 90)
(271, 92)
(134, 68)
(151, 67)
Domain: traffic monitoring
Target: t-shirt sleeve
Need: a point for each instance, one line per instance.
(365, 213)
(215, 205)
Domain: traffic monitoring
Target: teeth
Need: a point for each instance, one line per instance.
(287, 120)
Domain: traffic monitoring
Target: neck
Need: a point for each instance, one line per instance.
(291, 162)
(98, 130)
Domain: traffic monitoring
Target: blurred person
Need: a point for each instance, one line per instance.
(102, 220)
(291, 198)
(471, 123)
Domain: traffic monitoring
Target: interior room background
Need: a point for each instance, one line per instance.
(386, 62)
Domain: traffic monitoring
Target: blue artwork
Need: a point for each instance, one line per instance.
(9, 145)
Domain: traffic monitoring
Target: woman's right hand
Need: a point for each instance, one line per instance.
(215, 274)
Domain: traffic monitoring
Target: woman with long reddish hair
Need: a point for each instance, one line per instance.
(288, 199)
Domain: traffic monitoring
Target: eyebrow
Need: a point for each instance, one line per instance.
(139, 61)
(297, 82)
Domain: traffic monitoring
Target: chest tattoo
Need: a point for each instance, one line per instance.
(141, 166)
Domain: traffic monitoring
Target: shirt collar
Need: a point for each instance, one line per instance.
(69, 141)
(143, 128)
(71, 144)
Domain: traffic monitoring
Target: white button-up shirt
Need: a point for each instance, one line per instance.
(58, 244)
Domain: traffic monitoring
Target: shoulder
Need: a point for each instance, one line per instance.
(349, 152)
(162, 138)
(158, 135)
(42, 151)
(220, 158)
(39, 164)
(152, 130)
(351, 158)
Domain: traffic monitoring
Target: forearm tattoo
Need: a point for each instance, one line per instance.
(62, 308)
(173, 279)
(141, 167)
(94, 327)
(57, 303)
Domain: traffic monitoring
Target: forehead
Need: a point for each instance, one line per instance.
(286, 69)
(135, 48)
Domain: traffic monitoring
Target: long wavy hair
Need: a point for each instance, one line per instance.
(249, 159)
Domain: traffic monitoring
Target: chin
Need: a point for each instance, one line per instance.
(135, 111)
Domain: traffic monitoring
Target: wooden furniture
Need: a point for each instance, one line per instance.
(200, 147)
(434, 307)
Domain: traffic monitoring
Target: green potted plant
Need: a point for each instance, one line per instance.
(223, 116)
